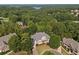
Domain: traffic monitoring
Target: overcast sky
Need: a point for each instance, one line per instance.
(39, 1)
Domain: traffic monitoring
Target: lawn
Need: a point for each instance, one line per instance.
(41, 48)
(48, 53)
(46, 50)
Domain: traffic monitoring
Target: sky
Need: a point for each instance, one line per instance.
(39, 1)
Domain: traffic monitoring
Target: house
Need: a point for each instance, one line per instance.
(75, 12)
(75, 21)
(4, 41)
(71, 44)
(21, 24)
(2, 19)
(40, 38)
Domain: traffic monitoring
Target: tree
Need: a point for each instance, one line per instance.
(20, 43)
(13, 18)
(18, 30)
(14, 43)
(64, 16)
(26, 42)
(59, 29)
(54, 41)
(31, 27)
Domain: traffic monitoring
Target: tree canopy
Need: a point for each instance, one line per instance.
(54, 41)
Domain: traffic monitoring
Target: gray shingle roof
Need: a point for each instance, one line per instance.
(39, 35)
(4, 41)
(72, 43)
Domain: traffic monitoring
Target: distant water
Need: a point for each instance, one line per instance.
(37, 7)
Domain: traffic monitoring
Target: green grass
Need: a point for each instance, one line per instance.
(48, 53)
(41, 48)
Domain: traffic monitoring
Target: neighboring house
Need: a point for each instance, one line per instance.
(21, 24)
(75, 12)
(40, 38)
(75, 21)
(2, 19)
(71, 44)
(4, 41)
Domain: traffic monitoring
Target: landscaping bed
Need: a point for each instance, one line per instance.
(19, 53)
(2, 53)
(48, 53)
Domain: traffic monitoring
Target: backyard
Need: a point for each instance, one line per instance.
(45, 49)
(41, 48)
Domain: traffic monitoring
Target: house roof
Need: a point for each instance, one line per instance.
(75, 21)
(19, 23)
(39, 36)
(74, 45)
(4, 40)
